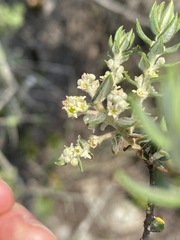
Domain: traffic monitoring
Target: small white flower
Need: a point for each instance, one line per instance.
(74, 162)
(75, 105)
(160, 62)
(67, 154)
(88, 83)
(141, 91)
(72, 154)
(93, 141)
(116, 102)
(144, 88)
(107, 73)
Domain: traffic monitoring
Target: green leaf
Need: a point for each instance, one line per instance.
(157, 48)
(170, 65)
(161, 197)
(119, 33)
(141, 34)
(127, 41)
(61, 162)
(126, 122)
(171, 99)
(170, 30)
(159, 10)
(178, 26)
(167, 16)
(126, 55)
(129, 79)
(118, 38)
(94, 119)
(144, 63)
(131, 37)
(163, 124)
(173, 49)
(169, 104)
(116, 144)
(150, 127)
(103, 90)
(153, 19)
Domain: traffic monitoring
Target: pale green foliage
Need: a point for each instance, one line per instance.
(11, 17)
(109, 100)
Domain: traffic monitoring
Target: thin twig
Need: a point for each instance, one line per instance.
(150, 206)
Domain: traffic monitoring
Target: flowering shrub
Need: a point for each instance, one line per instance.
(108, 100)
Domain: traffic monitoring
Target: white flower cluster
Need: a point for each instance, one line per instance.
(144, 88)
(116, 69)
(72, 154)
(141, 87)
(75, 105)
(116, 102)
(88, 83)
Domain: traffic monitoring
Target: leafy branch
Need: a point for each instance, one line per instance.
(151, 141)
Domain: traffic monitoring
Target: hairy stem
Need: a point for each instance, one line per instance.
(150, 206)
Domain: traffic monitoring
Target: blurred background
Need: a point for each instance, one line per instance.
(45, 46)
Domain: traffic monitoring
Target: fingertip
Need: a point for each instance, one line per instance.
(39, 232)
(19, 223)
(6, 197)
(34, 229)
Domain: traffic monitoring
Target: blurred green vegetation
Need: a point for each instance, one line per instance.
(166, 193)
(43, 206)
(11, 16)
(31, 147)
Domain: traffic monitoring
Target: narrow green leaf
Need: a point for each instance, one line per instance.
(103, 90)
(162, 197)
(126, 55)
(153, 19)
(60, 162)
(127, 41)
(157, 48)
(117, 40)
(167, 16)
(159, 10)
(163, 124)
(150, 127)
(178, 26)
(170, 65)
(141, 34)
(116, 144)
(129, 79)
(170, 30)
(126, 122)
(119, 33)
(131, 39)
(170, 102)
(144, 63)
(94, 120)
(173, 49)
